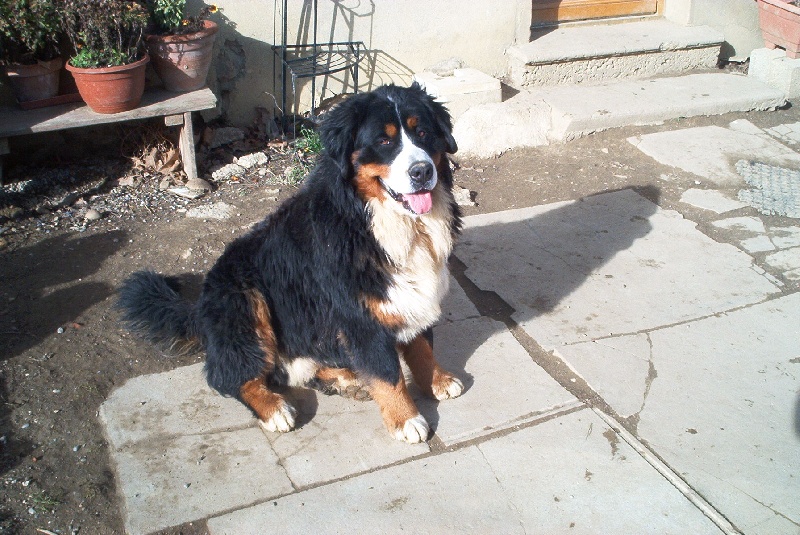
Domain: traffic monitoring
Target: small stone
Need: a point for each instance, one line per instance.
(126, 181)
(60, 330)
(187, 193)
(251, 160)
(463, 196)
(164, 184)
(31, 511)
(92, 215)
(198, 184)
(218, 210)
(227, 171)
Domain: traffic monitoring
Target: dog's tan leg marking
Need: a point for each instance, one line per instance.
(274, 413)
(429, 376)
(400, 415)
(343, 382)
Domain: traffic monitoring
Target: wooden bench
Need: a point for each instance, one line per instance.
(176, 108)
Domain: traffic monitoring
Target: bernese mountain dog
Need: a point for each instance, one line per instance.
(340, 282)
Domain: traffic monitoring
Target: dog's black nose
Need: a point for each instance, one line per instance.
(420, 173)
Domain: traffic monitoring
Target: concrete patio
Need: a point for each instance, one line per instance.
(625, 373)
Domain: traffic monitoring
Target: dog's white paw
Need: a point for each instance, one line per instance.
(414, 430)
(282, 420)
(449, 387)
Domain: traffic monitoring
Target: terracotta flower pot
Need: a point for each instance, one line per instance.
(780, 25)
(182, 61)
(111, 89)
(35, 82)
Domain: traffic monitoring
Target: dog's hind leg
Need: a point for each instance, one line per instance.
(240, 360)
(274, 413)
(429, 376)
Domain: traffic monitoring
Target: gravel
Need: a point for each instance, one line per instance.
(107, 192)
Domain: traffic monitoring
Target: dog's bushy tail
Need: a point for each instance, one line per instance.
(152, 307)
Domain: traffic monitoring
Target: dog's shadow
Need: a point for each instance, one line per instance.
(539, 260)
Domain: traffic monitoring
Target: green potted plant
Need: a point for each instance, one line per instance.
(29, 36)
(110, 58)
(780, 25)
(181, 46)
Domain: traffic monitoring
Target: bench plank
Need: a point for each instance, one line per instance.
(176, 108)
(155, 103)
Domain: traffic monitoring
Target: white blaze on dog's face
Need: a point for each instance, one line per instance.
(412, 175)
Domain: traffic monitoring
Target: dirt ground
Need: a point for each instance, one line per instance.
(62, 350)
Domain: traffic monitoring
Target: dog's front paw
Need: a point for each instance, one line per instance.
(414, 430)
(445, 386)
(282, 420)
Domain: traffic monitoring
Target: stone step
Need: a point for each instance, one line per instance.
(561, 113)
(591, 54)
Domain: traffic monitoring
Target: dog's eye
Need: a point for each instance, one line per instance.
(385, 141)
(422, 133)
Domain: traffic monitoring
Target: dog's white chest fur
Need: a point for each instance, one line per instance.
(419, 248)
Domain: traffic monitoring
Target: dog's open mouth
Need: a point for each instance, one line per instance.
(419, 202)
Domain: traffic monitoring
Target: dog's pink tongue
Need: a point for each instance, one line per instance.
(420, 203)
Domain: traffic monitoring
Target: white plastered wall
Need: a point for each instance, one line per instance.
(403, 36)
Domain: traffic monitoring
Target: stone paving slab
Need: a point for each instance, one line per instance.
(568, 475)
(712, 200)
(172, 481)
(178, 402)
(724, 409)
(504, 386)
(605, 265)
(337, 437)
(450, 493)
(573, 475)
(456, 305)
(711, 152)
(717, 399)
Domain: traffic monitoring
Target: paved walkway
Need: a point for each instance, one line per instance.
(625, 374)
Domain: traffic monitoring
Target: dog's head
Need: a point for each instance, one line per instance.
(391, 143)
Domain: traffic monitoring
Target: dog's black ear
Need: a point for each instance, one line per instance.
(443, 120)
(338, 131)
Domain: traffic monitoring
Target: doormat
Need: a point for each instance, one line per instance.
(773, 191)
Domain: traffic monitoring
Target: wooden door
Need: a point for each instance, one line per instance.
(552, 11)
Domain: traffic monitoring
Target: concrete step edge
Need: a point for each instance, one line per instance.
(563, 113)
(579, 43)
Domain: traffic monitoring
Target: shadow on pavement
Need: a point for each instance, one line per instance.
(573, 240)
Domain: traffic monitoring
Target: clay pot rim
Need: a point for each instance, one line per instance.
(209, 28)
(782, 4)
(115, 68)
(50, 65)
